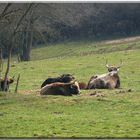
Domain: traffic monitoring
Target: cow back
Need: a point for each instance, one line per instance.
(66, 89)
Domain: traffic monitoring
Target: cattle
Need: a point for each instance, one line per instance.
(9, 81)
(109, 80)
(82, 85)
(65, 78)
(65, 89)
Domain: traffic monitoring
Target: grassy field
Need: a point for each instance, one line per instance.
(114, 113)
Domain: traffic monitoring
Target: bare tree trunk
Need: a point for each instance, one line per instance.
(23, 55)
(18, 57)
(7, 69)
(1, 62)
(1, 67)
(27, 43)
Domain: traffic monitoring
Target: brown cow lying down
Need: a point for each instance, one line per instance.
(82, 85)
(66, 89)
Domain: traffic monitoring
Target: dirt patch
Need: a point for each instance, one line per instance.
(94, 94)
(97, 94)
(28, 92)
(57, 112)
(124, 91)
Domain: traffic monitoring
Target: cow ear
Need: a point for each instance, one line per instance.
(11, 80)
(107, 65)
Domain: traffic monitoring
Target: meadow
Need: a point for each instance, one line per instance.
(112, 114)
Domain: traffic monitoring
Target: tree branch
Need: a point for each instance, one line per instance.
(26, 12)
(4, 11)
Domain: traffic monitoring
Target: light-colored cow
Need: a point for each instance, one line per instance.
(108, 80)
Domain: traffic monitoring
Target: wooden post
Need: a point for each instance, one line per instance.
(16, 89)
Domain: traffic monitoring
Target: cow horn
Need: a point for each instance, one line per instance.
(107, 64)
(121, 63)
(70, 83)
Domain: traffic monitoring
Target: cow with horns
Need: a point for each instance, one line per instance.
(65, 78)
(57, 88)
(109, 80)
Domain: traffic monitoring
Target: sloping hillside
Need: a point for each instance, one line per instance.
(110, 114)
(81, 48)
(83, 59)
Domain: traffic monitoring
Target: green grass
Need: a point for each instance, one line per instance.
(82, 48)
(115, 114)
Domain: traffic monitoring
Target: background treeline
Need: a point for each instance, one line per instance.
(55, 22)
(94, 20)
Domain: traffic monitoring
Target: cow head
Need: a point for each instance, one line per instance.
(113, 68)
(73, 87)
(66, 78)
(11, 80)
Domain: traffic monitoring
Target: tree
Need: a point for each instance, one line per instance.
(26, 35)
(14, 26)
